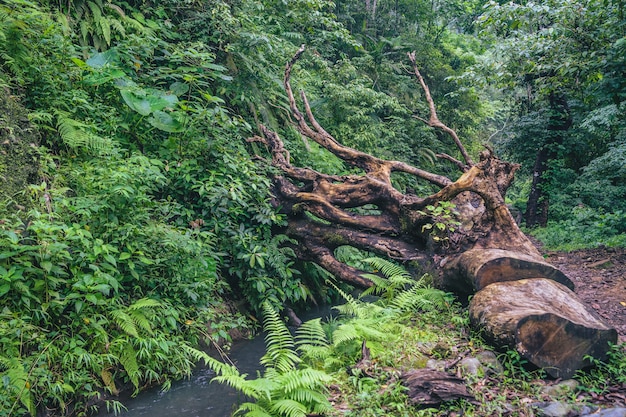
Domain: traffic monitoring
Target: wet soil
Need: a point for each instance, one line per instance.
(600, 278)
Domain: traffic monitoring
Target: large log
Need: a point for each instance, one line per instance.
(474, 269)
(544, 321)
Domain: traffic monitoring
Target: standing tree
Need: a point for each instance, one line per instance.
(487, 253)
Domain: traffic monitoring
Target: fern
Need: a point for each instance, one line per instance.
(252, 410)
(345, 333)
(125, 322)
(421, 298)
(394, 277)
(289, 408)
(280, 344)
(283, 390)
(15, 379)
(352, 307)
(128, 359)
(311, 333)
(388, 268)
(76, 134)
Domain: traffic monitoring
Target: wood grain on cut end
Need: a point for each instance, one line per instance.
(544, 321)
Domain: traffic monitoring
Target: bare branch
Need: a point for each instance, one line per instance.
(434, 121)
(455, 161)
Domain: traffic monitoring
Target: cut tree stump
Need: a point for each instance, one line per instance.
(428, 387)
(544, 321)
(474, 269)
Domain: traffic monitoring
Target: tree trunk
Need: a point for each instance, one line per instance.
(475, 269)
(560, 121)
(544, 321)
(487, 250)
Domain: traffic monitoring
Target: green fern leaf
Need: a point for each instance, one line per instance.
(128, 359)
(311, 333)
(76, 134)
(280, 344)
(344, 333)
(288, 408)
(125, 322)
(252, 410)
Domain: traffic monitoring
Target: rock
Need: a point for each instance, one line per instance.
(490, 361)
(609, 412)
(553, 409)
(562, 388)
(472, 366)
(436, 365)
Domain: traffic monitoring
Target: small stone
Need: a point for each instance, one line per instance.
(436, 365)
(553, 409)
(562, 388)
(490, 361)
(472, 366)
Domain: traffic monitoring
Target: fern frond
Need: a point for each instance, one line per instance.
(387, 268)
(280, 344)
(421, 298)
(140, 320)
(252, 410)
(288, 408)
(308, 396)
(260, 388)
(125, 322)
(218, 367)
(352, 307)
(303, 378)
(144, 303)
(311, 333)
(315, 352)
(344, 333)
(128, 359)
(369, 330)
(76, 134)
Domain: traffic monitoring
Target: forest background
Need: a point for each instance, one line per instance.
(133, 211)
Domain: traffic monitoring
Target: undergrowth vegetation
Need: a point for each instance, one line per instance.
(350, 363)
(132, 215)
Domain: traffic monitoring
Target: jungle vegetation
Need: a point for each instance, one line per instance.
(135, 215)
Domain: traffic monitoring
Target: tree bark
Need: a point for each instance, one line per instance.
(487, 250)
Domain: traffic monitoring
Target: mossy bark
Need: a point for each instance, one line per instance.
(19, 154)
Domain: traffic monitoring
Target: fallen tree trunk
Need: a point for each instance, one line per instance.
(474, 269)
(544, 321)
(486, 253)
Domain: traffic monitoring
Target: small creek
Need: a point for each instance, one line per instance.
(197, 396)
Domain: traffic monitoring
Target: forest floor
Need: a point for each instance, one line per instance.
(600, 278)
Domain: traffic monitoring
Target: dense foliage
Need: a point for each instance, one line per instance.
(132, 209)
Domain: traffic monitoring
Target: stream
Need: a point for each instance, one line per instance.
(197, 396)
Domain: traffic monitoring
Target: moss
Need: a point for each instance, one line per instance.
(19, 153)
